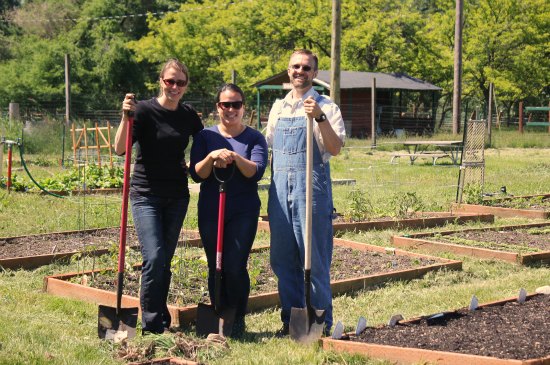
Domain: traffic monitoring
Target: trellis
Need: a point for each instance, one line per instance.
(101, 140)
(472, 166)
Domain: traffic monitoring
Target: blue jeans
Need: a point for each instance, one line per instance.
(286, 210)
(158, 223)
(239, 233)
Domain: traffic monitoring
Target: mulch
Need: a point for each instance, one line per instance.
(509, 331)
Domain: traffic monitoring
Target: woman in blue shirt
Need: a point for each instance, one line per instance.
(229, 145)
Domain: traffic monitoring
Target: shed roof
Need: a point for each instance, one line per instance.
(359, 80)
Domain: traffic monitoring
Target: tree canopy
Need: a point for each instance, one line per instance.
(116, 47)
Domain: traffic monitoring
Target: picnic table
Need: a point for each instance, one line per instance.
(431, 149)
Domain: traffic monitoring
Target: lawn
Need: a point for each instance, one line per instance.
(42, 329)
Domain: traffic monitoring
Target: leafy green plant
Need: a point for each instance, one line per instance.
(17, 184)
(404, 204)
(473, 194)
(254, 270)
(88, 177)
(359, 206)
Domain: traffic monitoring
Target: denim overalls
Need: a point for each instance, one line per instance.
(287, 209)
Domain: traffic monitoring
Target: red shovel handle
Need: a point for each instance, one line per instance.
(8, 183)
(125, 193)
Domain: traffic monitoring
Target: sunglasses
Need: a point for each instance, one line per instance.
(230, 104)
(306, 68)
(172, 82)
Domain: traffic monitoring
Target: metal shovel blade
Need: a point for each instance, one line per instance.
(306, 324)
(116, 327)
(211, 321)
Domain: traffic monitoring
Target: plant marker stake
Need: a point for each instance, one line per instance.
(338, 331)
(473, 303)
(522, 296)
(361, 326)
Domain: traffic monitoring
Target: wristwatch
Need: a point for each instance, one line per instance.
(321, 118)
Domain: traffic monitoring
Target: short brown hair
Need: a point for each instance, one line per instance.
(309, 53)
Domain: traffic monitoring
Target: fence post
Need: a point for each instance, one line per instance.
(13, 112)
(520, 121)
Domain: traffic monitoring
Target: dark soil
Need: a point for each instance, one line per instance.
(511, 331)
(80, 241)
(190, 285)
(531, 240)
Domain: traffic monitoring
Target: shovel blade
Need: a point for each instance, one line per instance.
(306, 325)
(211, 321)
(116, 327)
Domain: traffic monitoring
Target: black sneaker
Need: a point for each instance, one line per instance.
(283, 332)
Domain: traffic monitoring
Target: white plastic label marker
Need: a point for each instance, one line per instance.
(522, 296)
(361, 325)
(338, 331)
(473, 303)
(394, 319)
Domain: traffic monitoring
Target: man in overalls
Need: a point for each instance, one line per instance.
(286, 135)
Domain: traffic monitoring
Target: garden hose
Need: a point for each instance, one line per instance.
(28, 172)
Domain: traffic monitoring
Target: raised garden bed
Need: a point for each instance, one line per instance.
(524, 244)
(31, 251)
(526, 206)
(99, 191)
(355, 266)
(165, 361)
(497, 333)
(421, 220)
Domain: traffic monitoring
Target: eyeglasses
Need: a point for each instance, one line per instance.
(230, 104)
(172, 82)
(306, 68)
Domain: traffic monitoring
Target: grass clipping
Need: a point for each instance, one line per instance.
(176, 345)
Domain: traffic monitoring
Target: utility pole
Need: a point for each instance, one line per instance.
(457, 82)
(335, 52)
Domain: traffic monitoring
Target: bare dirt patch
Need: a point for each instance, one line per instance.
(523, 240)
(509, 331)
(77, 241)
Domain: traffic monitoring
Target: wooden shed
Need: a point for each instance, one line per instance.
(403, 103)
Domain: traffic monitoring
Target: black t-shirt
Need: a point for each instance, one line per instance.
(161, 137)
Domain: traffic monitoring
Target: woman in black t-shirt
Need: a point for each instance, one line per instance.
(159, 192)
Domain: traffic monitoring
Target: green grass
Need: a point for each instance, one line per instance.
(37, 328)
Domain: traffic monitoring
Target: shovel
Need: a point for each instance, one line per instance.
(306, 324)
(214, 318)
(120, 323)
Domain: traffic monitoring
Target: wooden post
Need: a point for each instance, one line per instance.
(373, 112)
(549, 116)
(490, 113)
(13, 112)
(109, 143)
(335, 52)
(85, 143)
(520, 120)
(97, 145)
(73, 134)
(457, 81)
